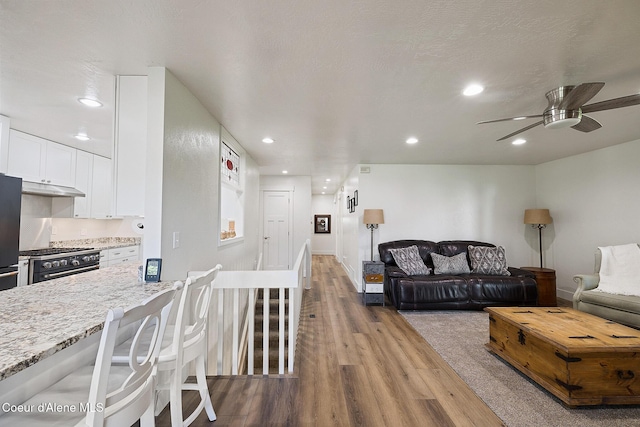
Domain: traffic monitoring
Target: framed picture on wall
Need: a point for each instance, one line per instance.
(355, 198)
(348, 203)
(322, 224)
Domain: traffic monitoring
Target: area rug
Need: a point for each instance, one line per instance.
(460, 338)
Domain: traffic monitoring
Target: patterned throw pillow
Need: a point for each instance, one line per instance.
(456, 264)
(408, 259)
(486, 260)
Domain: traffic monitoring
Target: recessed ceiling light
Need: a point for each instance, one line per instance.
(82, 137)
(412, 140)
(519, 141)
(285, 172)
(473, 89)
(90, 102)
(267, 140)
(324, 188)
(328, 180)
(323, 192)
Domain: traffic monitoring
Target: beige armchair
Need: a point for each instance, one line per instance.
(623, 309)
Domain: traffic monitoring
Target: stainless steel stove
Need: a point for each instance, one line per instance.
(51, 263)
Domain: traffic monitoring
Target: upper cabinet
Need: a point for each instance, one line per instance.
(93, 178)
(84, 180)
(101, 188)
(130, 145)
(36, 159)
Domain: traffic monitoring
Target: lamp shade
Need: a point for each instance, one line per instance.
(537, 216)
(373, 216)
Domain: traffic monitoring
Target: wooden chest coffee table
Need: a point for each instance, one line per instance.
(580, 358)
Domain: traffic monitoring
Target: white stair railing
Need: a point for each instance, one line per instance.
(295, 280)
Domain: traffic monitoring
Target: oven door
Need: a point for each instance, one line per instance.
(8, 278)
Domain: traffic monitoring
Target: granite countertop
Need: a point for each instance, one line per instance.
(98, 243)
(39, 320)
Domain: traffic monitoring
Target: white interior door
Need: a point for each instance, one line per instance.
(276, 248)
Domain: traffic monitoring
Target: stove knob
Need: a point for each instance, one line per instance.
(55, 264)
(63, 262)
(75, 262)
(85, 258)
(46, 265)
(93, 257)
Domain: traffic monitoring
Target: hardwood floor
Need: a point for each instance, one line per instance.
(355, 365)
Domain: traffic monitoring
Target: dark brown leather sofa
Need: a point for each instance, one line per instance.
(448, 292)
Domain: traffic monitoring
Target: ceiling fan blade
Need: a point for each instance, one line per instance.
(625, 101)
(587, 124)
(509, 119)
(579, 95)
(520, 131)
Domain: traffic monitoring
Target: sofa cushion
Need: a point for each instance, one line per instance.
(502, 289)
(456, 264)
(425, 247)
(455, 247)
(409, 260)
(446, 292)
(486, 260)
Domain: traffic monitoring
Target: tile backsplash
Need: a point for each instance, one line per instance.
(38, 228)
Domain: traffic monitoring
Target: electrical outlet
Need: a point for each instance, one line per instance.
(176, 239)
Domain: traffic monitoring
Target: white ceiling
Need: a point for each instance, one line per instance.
(334, 82)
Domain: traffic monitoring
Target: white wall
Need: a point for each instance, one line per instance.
(445, 202)
(183, 185)
(594, 201)
(324, 244)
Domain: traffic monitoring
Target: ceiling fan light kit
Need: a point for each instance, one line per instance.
(566, 108)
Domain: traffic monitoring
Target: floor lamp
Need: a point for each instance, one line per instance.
(373, 217)
(538, 218)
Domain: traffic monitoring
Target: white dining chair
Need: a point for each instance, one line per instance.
(107, 394)
(189, 343)
(184, 341)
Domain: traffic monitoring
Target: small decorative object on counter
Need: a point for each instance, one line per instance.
(140, 274)
(152, 272)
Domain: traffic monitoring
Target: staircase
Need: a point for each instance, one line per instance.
(274, 307)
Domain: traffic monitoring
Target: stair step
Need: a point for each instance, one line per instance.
(273, 361)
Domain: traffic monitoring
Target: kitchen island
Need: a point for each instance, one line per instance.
(42, 319)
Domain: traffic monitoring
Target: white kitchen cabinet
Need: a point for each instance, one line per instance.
(84, 179)
(4, 143)
(125, 254)
(104, 258)
(101, 188)
(23, 272)
(93, 178)
(130, 145)
(37, 159)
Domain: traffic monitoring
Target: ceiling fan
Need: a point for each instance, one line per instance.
(566, 108)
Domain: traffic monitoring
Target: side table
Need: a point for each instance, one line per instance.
(372, 282)
(546, 280)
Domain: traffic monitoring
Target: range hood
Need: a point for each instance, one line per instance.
(50, 190)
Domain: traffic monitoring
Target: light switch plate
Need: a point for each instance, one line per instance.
(176, 239)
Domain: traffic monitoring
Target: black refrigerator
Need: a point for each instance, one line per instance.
(10, 203)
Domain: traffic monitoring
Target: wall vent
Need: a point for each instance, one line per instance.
(365, 169)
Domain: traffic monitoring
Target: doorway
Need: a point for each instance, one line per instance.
(276, 230)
